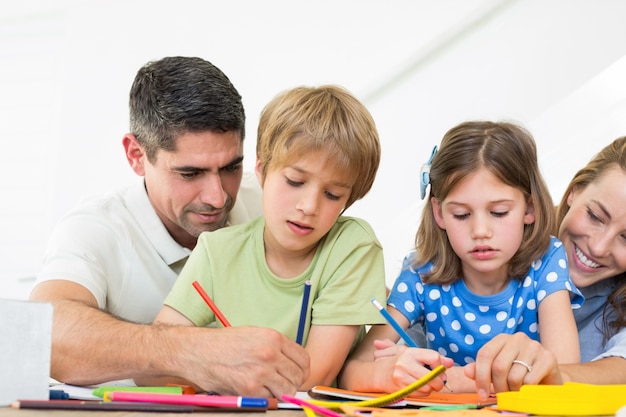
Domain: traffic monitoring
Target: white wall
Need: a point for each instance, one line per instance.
(420, 66)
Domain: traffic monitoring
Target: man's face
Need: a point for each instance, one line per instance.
(193, 188)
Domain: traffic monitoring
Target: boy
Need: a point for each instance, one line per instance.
(317, 153)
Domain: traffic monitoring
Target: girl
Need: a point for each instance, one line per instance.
(484, 263)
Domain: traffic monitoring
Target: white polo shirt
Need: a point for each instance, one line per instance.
(117, 247)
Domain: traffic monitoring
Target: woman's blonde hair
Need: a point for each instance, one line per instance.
(612, 155)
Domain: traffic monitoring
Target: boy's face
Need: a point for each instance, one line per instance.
(194, 187)
(301, 202)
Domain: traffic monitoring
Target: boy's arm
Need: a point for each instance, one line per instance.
(328, 347)
(90, 346)
(360, 372)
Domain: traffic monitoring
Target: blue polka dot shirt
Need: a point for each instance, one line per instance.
(458, 322)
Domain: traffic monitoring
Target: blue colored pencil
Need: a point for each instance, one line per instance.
(303, 312)
(407, 339)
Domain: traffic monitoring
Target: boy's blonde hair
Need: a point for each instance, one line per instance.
(509, 152)
(327, 118)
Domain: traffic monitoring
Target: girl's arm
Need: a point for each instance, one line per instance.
(557, 327)
(396, 368)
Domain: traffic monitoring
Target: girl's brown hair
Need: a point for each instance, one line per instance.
(509, 152)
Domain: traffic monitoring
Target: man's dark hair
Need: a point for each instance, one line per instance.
(178, 95)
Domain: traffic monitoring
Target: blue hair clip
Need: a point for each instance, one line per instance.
(425, 173)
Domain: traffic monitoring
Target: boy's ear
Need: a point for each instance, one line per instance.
(437, 213)
(258, 170)
(529, 217)
(135, 154)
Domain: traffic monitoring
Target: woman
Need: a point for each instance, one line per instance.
(592, 219)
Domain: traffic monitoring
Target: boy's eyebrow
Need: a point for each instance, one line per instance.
(190, 168)
(335, 183)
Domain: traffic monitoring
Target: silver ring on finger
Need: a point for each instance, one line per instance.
(524, 364)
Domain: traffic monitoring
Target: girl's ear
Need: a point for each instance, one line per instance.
(437, 212)
(529, 217)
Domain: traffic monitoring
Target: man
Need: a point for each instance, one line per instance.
(111, 261)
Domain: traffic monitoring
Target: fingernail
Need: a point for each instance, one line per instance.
(483, 394)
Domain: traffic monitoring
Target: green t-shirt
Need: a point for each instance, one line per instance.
(346, 272)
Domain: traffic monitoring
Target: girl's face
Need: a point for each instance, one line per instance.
(484, 220)
(594, 229)
(301, 202)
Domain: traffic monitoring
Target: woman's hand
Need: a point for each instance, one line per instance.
(509, 361)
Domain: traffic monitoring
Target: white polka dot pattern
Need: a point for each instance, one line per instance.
(458, 322)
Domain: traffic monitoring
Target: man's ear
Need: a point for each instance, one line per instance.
(529, 217)
(135, 154)
(258, 169)
(437, 212)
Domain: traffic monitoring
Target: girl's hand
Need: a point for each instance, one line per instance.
(404, 365)
(385, 348)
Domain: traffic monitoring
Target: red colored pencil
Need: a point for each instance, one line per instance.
(211, 304)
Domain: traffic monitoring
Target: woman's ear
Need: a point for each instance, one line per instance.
(135, 154)
(437, 212)
(571, 196)
(529, 217)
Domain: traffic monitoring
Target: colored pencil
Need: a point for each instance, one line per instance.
(303, 312)
(404, 335)
(106, 406)
(211, 304)
(99, 391)
(317, 408)
(197, 399)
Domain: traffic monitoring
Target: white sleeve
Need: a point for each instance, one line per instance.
(616, 346)
(249, 204)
